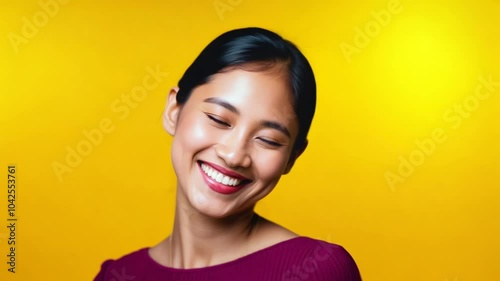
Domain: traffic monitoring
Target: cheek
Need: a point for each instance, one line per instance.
(191, 135)
(270, 167)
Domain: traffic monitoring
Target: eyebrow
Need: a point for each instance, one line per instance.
(223, 103)
(276, 126)
(268, 124)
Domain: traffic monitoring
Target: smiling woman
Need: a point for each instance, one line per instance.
(239, 120)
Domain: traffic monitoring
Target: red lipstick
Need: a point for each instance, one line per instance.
(220, 187)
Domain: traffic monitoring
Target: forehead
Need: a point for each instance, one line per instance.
(266, 91)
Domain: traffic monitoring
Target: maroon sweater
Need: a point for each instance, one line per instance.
(297, 259)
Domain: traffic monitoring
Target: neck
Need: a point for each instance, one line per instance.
(200, 241)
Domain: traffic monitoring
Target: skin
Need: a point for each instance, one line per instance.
(234, 135)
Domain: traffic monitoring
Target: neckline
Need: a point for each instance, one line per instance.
(225, 264)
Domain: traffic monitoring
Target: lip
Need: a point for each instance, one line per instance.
(224, 171)
(219, 187)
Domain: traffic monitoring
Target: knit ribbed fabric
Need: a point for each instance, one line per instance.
(297, 259)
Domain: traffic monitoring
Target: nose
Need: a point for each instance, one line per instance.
(234, 151)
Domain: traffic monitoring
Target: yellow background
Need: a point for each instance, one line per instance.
(441, 223)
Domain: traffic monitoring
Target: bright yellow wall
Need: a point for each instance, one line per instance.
(415, 79)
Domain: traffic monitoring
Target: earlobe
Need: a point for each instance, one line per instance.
(294, 157)
(171, 112)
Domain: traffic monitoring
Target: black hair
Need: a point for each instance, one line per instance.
(240, 47)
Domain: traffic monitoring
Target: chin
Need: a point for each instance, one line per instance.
(215, 207)
(207, 205)
(216, 212)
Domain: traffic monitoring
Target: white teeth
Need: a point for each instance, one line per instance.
(219, 177)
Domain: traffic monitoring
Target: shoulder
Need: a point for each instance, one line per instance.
(308, 258)
(319, 260)
(126, 267)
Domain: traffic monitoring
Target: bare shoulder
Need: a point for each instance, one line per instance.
(270, 233)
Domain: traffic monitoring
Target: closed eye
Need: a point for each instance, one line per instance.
(271, 143)
(217, 120)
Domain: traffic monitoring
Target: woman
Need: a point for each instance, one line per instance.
(239, 120)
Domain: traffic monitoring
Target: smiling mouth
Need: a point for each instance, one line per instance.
(222, 178)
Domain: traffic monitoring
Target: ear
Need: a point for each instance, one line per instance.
(294, 156)
(172, 111)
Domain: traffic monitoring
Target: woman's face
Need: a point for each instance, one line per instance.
(233, 140)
